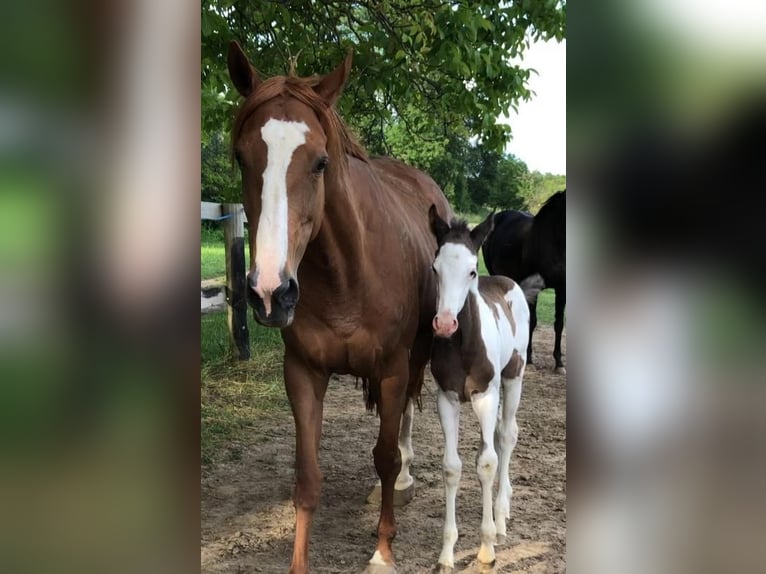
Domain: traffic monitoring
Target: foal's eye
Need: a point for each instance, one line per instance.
(473, 274)
(321, 164)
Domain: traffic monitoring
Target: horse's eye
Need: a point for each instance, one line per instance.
(321, 164)
(473, 274)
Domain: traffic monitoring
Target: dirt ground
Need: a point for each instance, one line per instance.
(247, 513)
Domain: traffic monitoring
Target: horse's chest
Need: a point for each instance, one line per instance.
(361, 353)
(464, 370)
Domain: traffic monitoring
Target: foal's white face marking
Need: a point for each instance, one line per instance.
(456, 270)
(282, 138)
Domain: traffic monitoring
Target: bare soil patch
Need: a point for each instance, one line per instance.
(247, 512)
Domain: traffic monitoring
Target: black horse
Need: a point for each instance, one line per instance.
(522, 246)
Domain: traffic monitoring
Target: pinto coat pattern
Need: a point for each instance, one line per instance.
(481, 332)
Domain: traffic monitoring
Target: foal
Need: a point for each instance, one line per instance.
(481, 333)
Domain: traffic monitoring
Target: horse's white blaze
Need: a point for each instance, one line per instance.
(454, 265)
(282, 138)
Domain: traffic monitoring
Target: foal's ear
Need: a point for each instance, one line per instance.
(480, 232)
(330, 87)
(241, 72)
(439, 227)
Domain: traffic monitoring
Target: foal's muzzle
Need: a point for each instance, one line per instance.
(276, 308)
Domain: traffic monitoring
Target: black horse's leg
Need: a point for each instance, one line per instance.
(532, 324)
(558, 325)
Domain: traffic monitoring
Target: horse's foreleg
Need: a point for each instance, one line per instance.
(387, 459)
(507, 435)
(305, 390)
(485, 406)
(449, 416)
(558, 325)
(404, 487)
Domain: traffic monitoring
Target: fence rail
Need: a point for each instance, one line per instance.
(233, 218)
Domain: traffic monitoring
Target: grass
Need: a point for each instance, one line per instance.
(236, 393)
(213, 253)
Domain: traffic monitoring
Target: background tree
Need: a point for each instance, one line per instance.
(429, 76)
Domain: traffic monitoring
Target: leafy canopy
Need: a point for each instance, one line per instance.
(448, 62)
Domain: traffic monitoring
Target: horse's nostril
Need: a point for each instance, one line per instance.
(287, 293)
(252, 280)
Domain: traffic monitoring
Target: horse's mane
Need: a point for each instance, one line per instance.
(340, 140)
(552, 202)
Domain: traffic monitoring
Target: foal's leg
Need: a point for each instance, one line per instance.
(558, 325)
(485, 406)
(449, 416)
(305, 389)
(506, 437)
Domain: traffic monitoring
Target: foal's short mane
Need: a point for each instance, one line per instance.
(340, 140)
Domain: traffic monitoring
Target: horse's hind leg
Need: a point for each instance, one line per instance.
(558, 325)
(404, 481)
(506, 436)
(485, 406)
(532, 325)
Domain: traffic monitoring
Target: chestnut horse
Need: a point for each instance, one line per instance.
(340, 257)
(481, 336)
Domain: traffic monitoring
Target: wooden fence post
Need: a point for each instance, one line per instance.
(236, 279)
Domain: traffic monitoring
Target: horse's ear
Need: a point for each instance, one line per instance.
(330, 87)
(241, 72)
(481, 231)
(438, 225)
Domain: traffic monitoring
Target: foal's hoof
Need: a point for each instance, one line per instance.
(442, 569)
(486, 568)
(501, 540)
(560, 371)
(401, 497)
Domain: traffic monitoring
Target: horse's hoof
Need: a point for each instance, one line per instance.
(443, 569)
(560, 371)
(379, 569)
(401, 497)
(486, 568)
(502, 540)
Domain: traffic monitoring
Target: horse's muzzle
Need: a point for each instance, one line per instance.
(274, 309)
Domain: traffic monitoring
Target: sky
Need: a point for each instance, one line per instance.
(539, 127)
